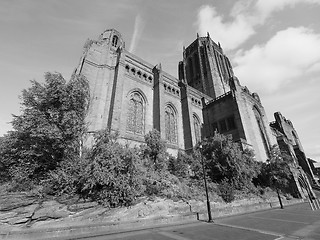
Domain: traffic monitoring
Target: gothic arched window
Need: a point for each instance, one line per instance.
(135, 118)
(197, 128)
(115, 41)
(171, 125)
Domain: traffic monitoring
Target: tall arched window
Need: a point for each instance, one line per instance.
(171, 125)
(197, 128)
(115, 41)
(135, 118)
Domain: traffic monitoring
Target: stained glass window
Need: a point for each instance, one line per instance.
(170, 125)
(135, 118)
(197, 129)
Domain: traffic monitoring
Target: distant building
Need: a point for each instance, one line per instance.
(132, 97)
(315, 167)
(289, 143)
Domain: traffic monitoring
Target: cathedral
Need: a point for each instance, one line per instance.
(132, 97)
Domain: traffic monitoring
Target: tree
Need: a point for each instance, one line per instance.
(112, 175)
(50, 127)
(276, 170)
(180, 165)
(4, 168)
(225, 160)
(155, 150)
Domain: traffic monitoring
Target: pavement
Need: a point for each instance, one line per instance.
(291, 223)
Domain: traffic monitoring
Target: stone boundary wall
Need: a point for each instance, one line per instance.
(103, 228)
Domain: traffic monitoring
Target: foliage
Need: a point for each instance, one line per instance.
(226, 190)
(196, 164)
(66, 178)
(276, 172)
(160, 183)
(4, 165)
(180, 166)
(225, 160)
(112, 175)
(155, 150)
(50, 127)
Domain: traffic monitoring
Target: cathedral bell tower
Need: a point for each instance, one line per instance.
(100, 65)
(205, 67)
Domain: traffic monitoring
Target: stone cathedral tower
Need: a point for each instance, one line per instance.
(205, 67)
(99, 64)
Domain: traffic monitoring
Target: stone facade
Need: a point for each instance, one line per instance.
(132, 96)
(289, 143)
(241, 114)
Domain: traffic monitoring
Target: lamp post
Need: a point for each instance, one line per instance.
(275, 183)
(206, 187)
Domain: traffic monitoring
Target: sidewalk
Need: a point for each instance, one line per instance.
(89, 228)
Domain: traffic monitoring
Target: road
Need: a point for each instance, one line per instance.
(293, 222)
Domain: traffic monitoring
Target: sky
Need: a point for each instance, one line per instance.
(273, 46)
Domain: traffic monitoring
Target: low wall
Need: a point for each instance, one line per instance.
(103, 228)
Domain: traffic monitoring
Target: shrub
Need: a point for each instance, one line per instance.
(226, 191)
(112, 175)
(66, 178)
(223, 158)
(155, 151)
(180, 166)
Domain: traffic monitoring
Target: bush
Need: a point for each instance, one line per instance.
(66, 178)
(112, 175)
(224, 158)
(155, 151)
(180, 166)
(109, 173)
(226, 191)
(20, 180)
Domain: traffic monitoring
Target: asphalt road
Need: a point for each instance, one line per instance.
(292, 222)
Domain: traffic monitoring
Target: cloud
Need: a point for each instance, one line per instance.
(245, 16)
(266, 8)
(290, 54)
(139, 25)
(231, 34)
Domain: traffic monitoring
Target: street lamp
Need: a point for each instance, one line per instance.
(206, 187)
(275, 183)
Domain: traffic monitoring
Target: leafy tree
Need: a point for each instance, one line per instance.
(180, 166)
(225, 160)
(4, 168)
(112, 175)
(50, 127)
(155, 150)
(276, 171)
